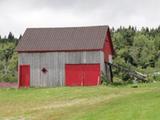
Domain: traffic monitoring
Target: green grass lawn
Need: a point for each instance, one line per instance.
(82, 103)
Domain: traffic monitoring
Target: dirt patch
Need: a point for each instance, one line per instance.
(8, 85)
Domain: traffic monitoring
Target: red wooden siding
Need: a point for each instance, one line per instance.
(82, 74)
(24, 76)
(108, 47)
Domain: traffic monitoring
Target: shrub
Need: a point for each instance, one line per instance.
(104, 79)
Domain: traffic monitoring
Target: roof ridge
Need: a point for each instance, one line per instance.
(59, 27)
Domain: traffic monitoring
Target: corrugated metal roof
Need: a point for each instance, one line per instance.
(63, 39)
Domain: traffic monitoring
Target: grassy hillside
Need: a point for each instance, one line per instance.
(82, 103)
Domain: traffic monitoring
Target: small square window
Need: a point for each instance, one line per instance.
(44, 70)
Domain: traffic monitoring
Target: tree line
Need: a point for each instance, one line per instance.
(8, 58)
(136, 49)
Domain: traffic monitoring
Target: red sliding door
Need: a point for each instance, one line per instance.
(82, 74)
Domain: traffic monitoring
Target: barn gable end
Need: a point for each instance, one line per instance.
(108, 48)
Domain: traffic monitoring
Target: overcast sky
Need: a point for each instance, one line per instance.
(17, 15)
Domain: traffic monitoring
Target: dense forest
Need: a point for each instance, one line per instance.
(136, 49)
(8, 58)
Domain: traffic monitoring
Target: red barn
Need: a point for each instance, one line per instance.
(71, 56)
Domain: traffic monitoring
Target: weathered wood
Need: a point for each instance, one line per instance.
(109, 72)
(55, 62)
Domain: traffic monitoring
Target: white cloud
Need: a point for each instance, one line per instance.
(17, 15)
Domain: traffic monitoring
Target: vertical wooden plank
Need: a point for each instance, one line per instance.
(53, 67)
(37, 64)
(61, 65)
(56, 75)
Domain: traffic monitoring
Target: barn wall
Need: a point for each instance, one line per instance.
(55, 62)
(108, 48)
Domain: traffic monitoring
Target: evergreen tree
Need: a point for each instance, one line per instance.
(10, 36)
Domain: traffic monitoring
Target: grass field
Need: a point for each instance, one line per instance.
(82, 103)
